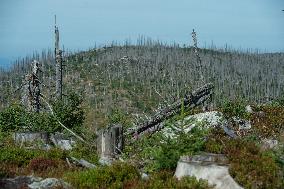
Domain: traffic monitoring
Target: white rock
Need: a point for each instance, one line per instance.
(144, 176)
(105, 161)
(249, 109)
(65, 144)
(213, 118)
(203, 120)
(269, 144)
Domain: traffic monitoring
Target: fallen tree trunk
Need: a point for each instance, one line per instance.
(191, 99)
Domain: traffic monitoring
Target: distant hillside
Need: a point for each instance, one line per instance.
(139, 78)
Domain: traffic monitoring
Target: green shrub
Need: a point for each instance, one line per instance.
(117, 116)
(42, 122)
(8, 170)
(252, 168)
(70, 112)
(270, 123)
(165, 179)
(185, 144)
(20, 161)
(122, 175)
(103, 177)
(279, 101)
(159, 152)
(235, 108)
(42, 164)
(13, 118)
(54, 153)
(17, 156)
(89, 153)
(216, 141)
(21, 156)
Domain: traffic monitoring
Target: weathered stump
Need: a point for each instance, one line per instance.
(211, 167)
(30, 137)
(110, 141)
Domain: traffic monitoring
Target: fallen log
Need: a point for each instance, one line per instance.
(191, 100)
(83, 163)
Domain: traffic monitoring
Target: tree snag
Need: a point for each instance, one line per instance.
(58, 61)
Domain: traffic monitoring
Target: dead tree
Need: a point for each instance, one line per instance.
(110, 141)
(198, 59)
(58, 60)
(31, 87)
(190, 100)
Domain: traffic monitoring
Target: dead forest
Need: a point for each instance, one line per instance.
(149, 73)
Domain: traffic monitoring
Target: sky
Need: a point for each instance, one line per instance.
(27, 26)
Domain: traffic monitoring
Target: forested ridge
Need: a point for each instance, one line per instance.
(148, 68)
(147, 86)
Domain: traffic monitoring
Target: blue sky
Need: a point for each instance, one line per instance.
(28, 25)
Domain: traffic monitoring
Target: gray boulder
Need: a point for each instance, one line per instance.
(17, 182)
(211, 167)
(49, 183)
(104, 160)
(61, 142)
(32, 182)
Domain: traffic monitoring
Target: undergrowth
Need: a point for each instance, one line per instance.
(249, 165)
(126, 176)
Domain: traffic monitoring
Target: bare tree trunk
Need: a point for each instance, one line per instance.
(58, 60)
(31, 89)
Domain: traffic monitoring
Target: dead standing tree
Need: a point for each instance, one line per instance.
(31, 87)
(199, 68)
(198, 59)
(58, 60)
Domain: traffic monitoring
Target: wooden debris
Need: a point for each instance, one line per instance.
(196, 98)
(83, 163)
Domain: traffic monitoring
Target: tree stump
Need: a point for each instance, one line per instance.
(30, 137)
(110, 141)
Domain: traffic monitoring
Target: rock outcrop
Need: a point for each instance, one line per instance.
(49, 183)
(204, 120)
